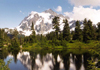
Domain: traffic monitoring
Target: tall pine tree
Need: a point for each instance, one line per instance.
(98, 31)
(33, 36)
(32, 28)
(91, 30)
(88, 31)
(85, 31)
(1, 39)
(56, 25)
(66, 31)
(78, 32)
(15, 33)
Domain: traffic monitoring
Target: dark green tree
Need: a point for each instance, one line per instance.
(94, 32)
(91, 30)
(4, 39)
(1, 39)
(61, 36)
(14, 48)
(66, 31)
(56, 25)
(14, 44)
(72, 34)
(33, 36)
(78, 32)
(21, 39)
(32, 28)
(1, 42)
(86, 37)
(15, 33)
(98, 31)
(88, 31)
(50, 36)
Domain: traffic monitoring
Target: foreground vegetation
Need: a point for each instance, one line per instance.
(4, 66)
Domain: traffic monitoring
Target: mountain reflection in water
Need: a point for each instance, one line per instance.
(50, 61)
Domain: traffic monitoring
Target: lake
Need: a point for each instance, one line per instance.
(70, 59)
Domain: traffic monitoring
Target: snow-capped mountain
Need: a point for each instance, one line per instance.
(42, 22)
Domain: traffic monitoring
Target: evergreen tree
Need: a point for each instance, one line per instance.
(15, 43)
(33, 36)
(72, 34)
(66, 31)
(61, 36)
(56, 25)
(91, 30)
(50, 36)
(88, 31)
(42, 41)
(15, 33)
(78, 32)
(98, 31)
(15, 36)
(21, 39)
(85, 31)
(32, 28)
(1, 42)
(1, 39)
(94, 34)
(4, 39)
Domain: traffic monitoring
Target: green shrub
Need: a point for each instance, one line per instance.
(98, 46)
(64, 43)
(4, 66)
(71, 41)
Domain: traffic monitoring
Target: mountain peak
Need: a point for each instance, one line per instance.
(33, 12)
(51, 12)
(42, 22)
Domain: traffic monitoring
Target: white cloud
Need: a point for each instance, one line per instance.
(39, 7)
(79, 13)
(85, 2)
(20, 11)
(59, 9)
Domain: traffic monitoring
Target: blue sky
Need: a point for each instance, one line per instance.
(12, 12)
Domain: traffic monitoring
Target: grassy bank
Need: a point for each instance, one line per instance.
(70, 45)
(79, 45)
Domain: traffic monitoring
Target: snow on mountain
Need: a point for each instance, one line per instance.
(42, 22)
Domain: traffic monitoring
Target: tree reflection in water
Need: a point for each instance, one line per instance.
(55, 60)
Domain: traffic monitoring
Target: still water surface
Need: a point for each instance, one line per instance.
(30, 60)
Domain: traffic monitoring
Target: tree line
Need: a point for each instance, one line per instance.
(89, 31)
(57, 37)
(4, 39)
